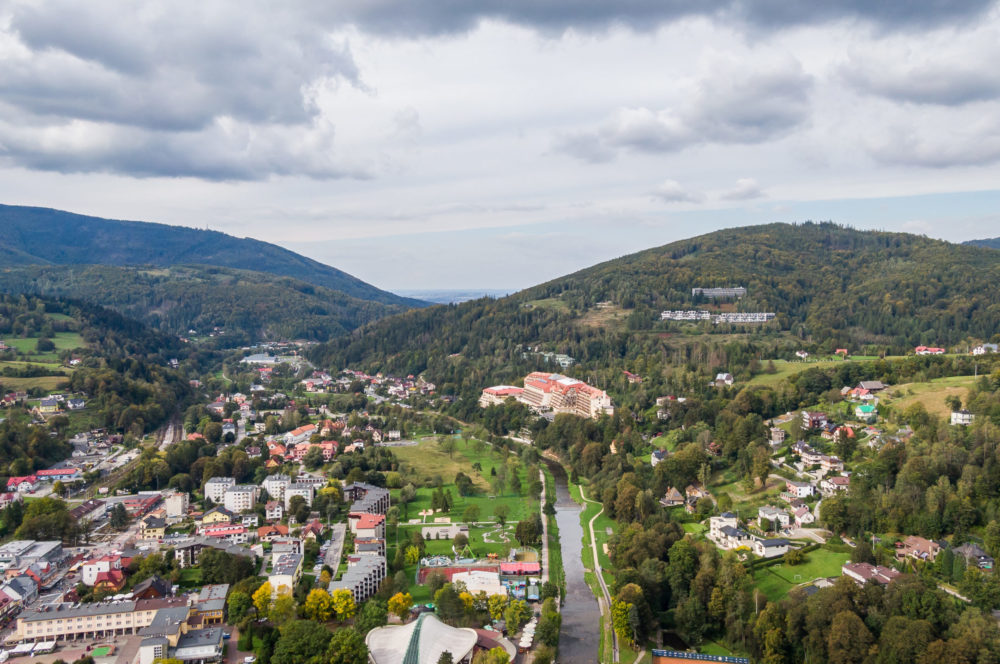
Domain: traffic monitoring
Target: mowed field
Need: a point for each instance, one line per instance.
(426, 461)
(775, 581)
(931, 394)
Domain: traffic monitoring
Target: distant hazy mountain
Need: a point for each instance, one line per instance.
(42, 236)
(992, 243)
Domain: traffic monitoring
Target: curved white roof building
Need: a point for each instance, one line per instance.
(420, 642)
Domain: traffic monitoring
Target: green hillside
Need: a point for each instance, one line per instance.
(248, 305)
(991, 243)
(830, 287)
(41, 236)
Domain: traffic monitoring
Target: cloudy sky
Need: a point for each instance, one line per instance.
(499, 143)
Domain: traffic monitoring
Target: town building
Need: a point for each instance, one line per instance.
(422, 640)
(306, 491)
(962, 418)
(19, 554)
(769, 548)
(286, 568)
(100, 620)
(367, 498)
(565, 395)
(918, 548)
(496, 395)
(974, 555)
(863, 573)
(363, 576)
(365, 525)
(273, 511)
(188, 550)
(216, 487)
(240, 498)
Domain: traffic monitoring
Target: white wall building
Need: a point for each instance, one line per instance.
(216, 487)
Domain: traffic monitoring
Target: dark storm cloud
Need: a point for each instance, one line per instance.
(398, 17)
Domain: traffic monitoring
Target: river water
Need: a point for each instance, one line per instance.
(580, 637)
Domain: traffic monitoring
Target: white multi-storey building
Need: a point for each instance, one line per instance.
(240, 498)
(307, 491)
(216, 487)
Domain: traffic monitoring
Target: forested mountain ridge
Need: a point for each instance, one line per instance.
(990, 243)
(248, 305)
(40, 236)
(830, 287)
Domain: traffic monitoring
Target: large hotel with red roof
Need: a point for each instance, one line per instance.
(552, 391)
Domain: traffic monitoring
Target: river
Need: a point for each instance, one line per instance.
(580, 637)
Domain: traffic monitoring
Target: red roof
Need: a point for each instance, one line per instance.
(520, 568)
(368, 520)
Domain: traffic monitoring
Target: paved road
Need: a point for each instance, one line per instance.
(597, 570)
(334, 553)
(545, 531)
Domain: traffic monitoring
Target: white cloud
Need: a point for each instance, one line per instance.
(746, 189)
(671, 191)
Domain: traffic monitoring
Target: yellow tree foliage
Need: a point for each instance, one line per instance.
(262, 599)
(496, 605)
(343, 604)
(400, 604)
(319, 605)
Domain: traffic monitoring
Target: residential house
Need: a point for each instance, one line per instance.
(778, 435)
(657, 457)
(312, 530)
(273, 511)
(176, 504)
(25, 484)
(724, 379)
(775, 515)
(251, 520)
(769, 548)
(725, 531)
(974, 555)
(962, 418)
(929, 350)
(803, 517)
(269, 532)
(983, 349)
(216, 516)
(863, 573)
(154, 587)
(91, 569)
(210, 605)
(235, 533)
(918, 548)
(673, 498)
(188, 551)
(152, 528)
(831, 485)
(866, 412)
(813, 420)
(800, 489)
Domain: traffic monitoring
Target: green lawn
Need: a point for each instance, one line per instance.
(62, 340)
(694, 528)
(785, 368)
(775, 581)
(426, 461)
(190, 577)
